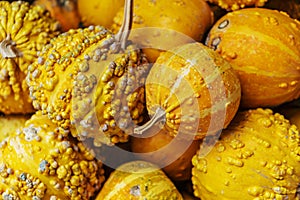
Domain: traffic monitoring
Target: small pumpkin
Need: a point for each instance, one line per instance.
(94, 83)
(265, 54)
(256, 157)
(158, 149)
(167, 22)
(24, 31)
(138, 180)
(36, 163)
(64, 11)
(192, 91)
(9, 124)
(99, 12)
(237, 4)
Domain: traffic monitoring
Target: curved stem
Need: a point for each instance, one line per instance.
(8, 48)
(159, 116)
(123, 33)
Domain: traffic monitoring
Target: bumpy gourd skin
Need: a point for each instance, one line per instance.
(138, 180)
(10, 123)
(24, 30)
(238, 4)
(37, 163)
(84, 81)
(265, 54)
(256, 157)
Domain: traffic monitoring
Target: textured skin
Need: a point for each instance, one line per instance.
(257, 157)
(88, 87)
(10, 123)
(37, 163)
(237, 4)
(196, 88)
(138, 180)
(266, 61)
(29, 28)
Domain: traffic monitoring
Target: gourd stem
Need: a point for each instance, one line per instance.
(123, 33)
(159, 116)
(8, 48)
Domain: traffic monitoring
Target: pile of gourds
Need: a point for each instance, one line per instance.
(146, 99)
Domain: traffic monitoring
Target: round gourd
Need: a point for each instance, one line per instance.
(192, 90)
(158, 150)
(99, 12)
(37, 163)
(265, 54)
(179, 21)
(256, 157)
(91, 84)
(64, 11)
(237, 4)
(9, 124)
(24, 30)
(138, 180)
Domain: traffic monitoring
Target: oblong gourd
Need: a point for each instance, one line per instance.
(192, 90)
(91, 84)
(265, 54)
(24, 30)
(37, 163)
(256, 157)
(138, 180)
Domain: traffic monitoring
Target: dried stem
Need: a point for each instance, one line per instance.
(8, 48)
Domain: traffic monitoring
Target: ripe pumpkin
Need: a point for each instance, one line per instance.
(10, 124)
(179, 21)
(256, 157)
(24, 31)
(265, 54)
(64, 11)
(99, 12)
(36, 163)
(237, 4)
(93, 84)
(138, 180)
(176, 163)
(192, 90)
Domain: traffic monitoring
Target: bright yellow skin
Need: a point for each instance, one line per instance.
(86, 85)
(237, 4)
(138, 180)
(256, 158)
(55, 166)
(10, 124)
(197, 89)
(188, 19)
(265, 54)
(27, 29)
(99, 12)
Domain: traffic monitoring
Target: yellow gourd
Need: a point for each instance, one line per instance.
(256, 157)
(37, 163)
(238, 4)
(138, 180)
(9, 124)
(265, 54)
(24, 30)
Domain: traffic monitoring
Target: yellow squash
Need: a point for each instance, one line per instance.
(87, 80)
(256, 157)
(138, 180)
(24, 30)
(170, 23)
(192, 91)
(37, 163)
(265, 54)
